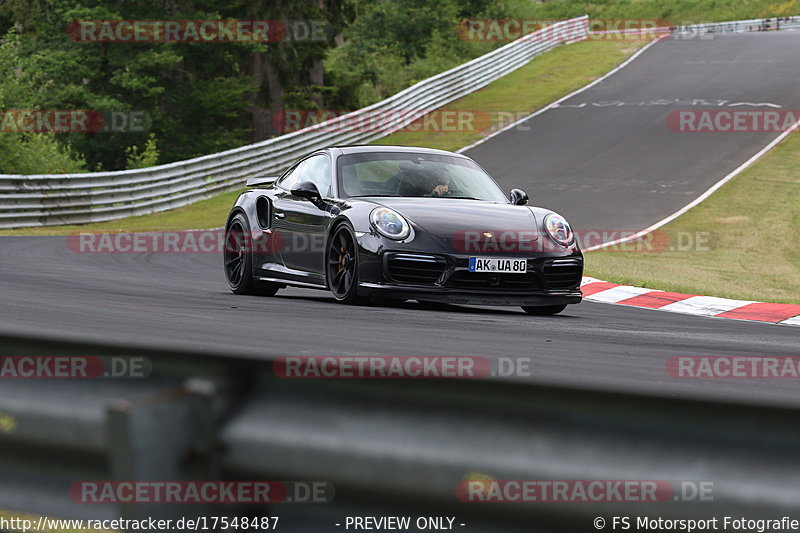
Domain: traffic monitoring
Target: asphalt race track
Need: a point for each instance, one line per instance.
(608, 167)
(603, 167)
(182, 301)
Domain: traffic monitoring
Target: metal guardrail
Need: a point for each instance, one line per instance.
(387, 446)
(689, 31)
(741, 26)
(55, 199)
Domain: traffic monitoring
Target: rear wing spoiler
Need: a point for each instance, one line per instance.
(261, 180)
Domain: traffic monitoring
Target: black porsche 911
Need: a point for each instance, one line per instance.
(385, 223)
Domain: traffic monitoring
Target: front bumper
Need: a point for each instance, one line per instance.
(551, 279)
(466, 297)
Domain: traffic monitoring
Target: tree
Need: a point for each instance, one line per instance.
(22, 152)
(200, 98)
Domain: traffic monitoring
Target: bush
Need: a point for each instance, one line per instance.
(146, 158)
(37, 153)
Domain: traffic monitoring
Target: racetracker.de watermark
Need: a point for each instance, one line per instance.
(467, 241)
(389, 120)
(73, 367)
(189, 241)
(205, 492)
(400, 120)
(73, 121)
(733, 120)
(198, 31)
(547, 30)
(583, 491)
(475, 121)
(734, 367)
(495, 241)
(400, 367)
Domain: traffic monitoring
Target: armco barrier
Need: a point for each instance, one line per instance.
(44, 200)
(386, 446)
(741, 26)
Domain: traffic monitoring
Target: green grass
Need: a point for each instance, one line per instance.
(543, 80)
(754, 250)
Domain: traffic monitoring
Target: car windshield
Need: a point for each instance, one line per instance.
(415, 175)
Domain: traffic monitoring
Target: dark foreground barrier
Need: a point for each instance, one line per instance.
(492, 455)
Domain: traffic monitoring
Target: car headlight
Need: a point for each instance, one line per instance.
(390, 223)
(558, 229)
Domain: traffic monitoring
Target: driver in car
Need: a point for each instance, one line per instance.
(442, 188)
(422, 183)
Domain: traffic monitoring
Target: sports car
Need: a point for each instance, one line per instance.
(388, 223)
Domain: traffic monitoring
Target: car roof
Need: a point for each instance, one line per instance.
(359, 149)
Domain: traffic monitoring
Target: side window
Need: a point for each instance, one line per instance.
(293, 177)
(317, 169)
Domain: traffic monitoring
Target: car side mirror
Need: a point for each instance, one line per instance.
(309, 191)
(519, 197)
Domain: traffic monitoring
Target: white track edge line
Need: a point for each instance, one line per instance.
(711, 190)
(551, 105)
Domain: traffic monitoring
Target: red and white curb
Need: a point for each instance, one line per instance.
(596, 290)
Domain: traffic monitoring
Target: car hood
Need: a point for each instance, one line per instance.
(450, 217)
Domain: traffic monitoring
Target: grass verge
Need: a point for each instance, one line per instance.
(753, 252)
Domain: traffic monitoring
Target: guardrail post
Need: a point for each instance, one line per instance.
(164, 436)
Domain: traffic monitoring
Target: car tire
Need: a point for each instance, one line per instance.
(341, 265)
(541, 310)
(238, 260)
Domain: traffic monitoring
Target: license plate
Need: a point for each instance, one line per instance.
(500, 265)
